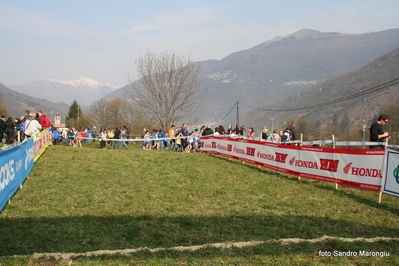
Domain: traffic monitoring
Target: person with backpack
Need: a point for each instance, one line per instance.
(289, 134)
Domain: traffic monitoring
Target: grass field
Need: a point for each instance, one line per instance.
(168, 208)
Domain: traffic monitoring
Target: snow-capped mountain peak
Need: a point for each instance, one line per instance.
(84, 90)
(84, 82)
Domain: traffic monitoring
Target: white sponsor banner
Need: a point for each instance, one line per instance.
(348, 167)
(316, 163)
(390, 182)
(360, 168)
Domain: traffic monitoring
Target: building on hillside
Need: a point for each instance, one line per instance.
(57, 122)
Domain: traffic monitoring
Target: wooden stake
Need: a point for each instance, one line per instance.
(300, 144)
(380, 196)
(333, 138)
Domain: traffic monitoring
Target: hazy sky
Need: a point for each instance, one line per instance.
(67, 40)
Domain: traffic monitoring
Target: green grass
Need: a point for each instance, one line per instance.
(86, 199)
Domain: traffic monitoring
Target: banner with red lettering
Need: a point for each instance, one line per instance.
(348, 167)
(42, 141)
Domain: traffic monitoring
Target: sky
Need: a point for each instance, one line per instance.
(66, 40)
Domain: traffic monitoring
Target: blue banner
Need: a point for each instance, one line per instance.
(16, 164)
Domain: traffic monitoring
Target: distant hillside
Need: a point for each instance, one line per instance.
(84, 90)
(17, 103)
(380, 71)
(285, 66)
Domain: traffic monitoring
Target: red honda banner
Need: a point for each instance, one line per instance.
(348, 167)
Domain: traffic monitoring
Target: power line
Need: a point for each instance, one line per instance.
(221, 120)
(349, 97)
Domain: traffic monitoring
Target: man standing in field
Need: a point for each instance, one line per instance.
(124, 137)
(185, 134)
(377, 133)
(117, 137)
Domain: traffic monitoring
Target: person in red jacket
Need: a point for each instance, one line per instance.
(44, 121)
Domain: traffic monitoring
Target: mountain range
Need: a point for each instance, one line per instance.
(266, 74)
(287, 65)
(18, 102)
(362, 93)
(283, 66)
(84, 90)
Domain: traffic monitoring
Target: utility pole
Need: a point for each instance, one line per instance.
(272, 126)
(237, 119)
(364, 132)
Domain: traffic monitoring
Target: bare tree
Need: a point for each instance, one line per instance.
(99, 112)
(168, 89)
(118, 112)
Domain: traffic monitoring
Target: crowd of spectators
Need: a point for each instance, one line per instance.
(181, 140)
(27, 125)
(175, 139)
(72, 137)
(30, 124)
(240, 132)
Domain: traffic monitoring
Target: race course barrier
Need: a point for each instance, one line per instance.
(17, 161)
(357, 168)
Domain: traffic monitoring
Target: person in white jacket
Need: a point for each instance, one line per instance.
(32, 126)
